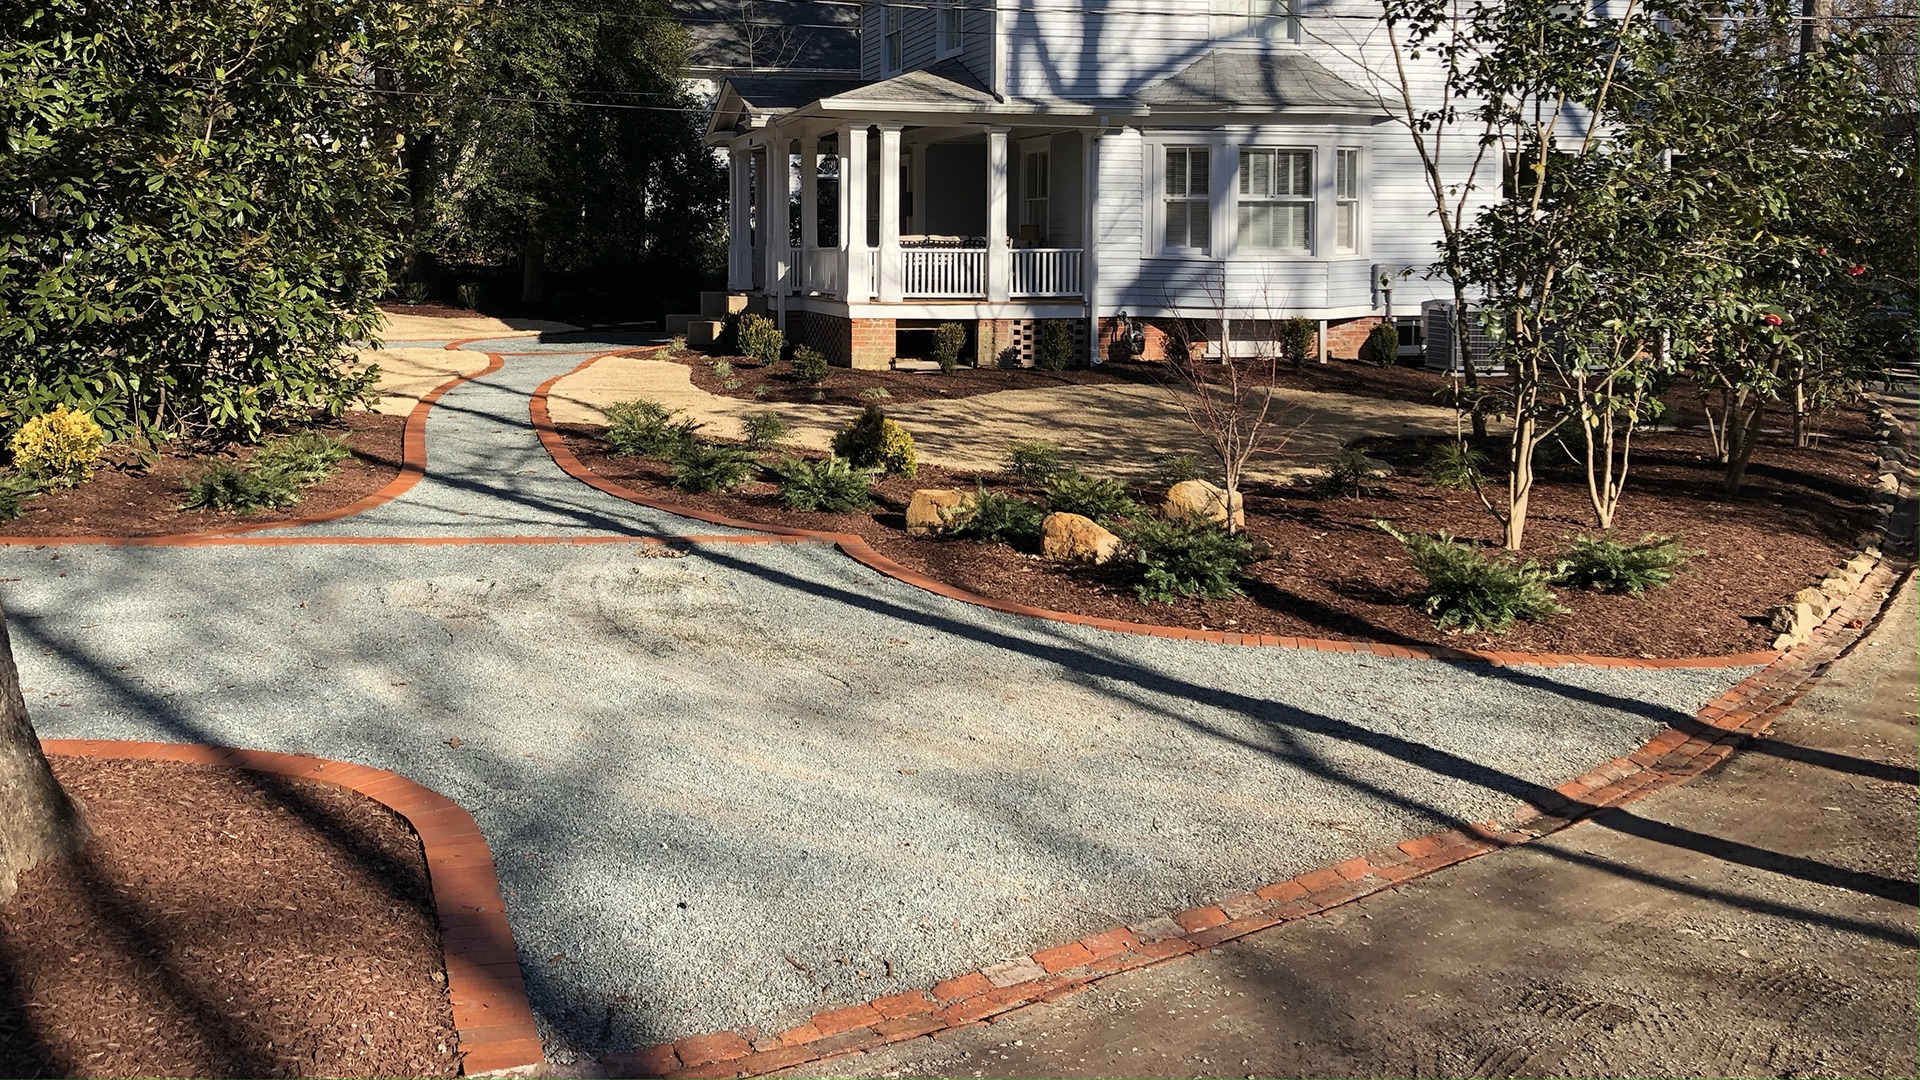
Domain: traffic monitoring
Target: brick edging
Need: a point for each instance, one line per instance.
(413, 465)
(484, 983)
(857, 548)
(1671, 758)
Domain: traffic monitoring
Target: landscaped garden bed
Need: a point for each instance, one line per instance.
(1334, 573)
(128, 497)
(222, 923)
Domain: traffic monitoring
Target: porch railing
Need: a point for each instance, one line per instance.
(1045, 272)
(943, 273)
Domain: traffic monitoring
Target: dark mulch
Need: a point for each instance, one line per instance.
(126, 499)
(222, 923)
(845, 385)
(432, 310)
(1336, 575)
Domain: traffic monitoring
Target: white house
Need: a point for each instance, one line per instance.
(1202, 166)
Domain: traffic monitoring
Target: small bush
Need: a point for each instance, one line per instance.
(1179, 468)
(1056, 345)
(875, 442)
(759, 391)
(1296, 339)
(1191, 557)
(1382, 346)
(303, 459)
(1347, 475)
(706, 467)
(1467, 589)
(415, 292)
(999, 519)
(809, 366)
(1073, 492)
(948, 340)
(227, 485)
(60, 445)
(875, 393)
(833, 485)
(721, 369)
(757, 336)
(1607, 565)
(1456, 465)
(647, 429)
(15, 489)
(1033, 459)
(467, 295)
(765, 429)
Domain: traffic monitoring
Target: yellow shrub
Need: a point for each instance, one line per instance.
(61, 445)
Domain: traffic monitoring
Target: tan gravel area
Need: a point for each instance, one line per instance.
(403, 327)
(1117, 430)
(408, 374)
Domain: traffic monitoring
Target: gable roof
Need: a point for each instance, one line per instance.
(1241, 80)
(725, 36)
(948, 83)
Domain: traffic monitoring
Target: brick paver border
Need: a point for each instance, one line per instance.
(1673, 757)
(484, 983)
(856, 548)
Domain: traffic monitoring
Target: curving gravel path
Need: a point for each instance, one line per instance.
(741, 783)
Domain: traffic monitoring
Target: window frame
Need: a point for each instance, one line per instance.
(1276, 197)
(1164, 198)
(1345, 201)
(893, 37)
(1042, 156)
(949, 28)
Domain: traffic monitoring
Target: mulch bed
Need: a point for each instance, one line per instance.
(1336, 575)
(224, 923)
(126, 499)
(776, 384)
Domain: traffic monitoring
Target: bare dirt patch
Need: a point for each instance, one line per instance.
(125, 498)
(1335, 574)
(223, 923)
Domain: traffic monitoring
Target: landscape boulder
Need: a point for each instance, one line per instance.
(1073, 538)
(1190, 497)
(935, 510)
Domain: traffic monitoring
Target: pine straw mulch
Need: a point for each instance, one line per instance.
(224, 923)
(126, 498)
(1335, 574)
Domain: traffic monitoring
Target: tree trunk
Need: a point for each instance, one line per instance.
(38, 821)
(1519, 480)
(1740, 446)
(533, 269)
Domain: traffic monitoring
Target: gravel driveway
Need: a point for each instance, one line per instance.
(735, 785)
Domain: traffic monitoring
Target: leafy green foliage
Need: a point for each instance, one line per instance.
(948, 340)
(1456, 465)
(999, 519)
(1070, 491)
(833, 485)
(232, 486)
(1382, 346)
(1178, 469)
(1296, 339)
(1467, 589)
(875, 393)
(1188, 558)
(646, 428)
(302, 460)
(702, 467)
(15, 489)
(766, 429)
(202, 205)
(1033, 459)
(1348, 475)
(760, 338)
(1607, 565)
(875, 442)
(1055, 352)
(721, 368)
(809, 366)
(60, 444)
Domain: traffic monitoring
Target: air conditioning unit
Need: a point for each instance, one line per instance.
(1437, 315)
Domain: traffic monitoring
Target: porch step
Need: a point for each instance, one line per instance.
(677, 324)
(705, 331)
(719, 305)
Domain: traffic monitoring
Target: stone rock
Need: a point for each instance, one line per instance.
(1787, 616)
(1887, 483)
(1191, 497)
(933, 511)
(1073, 538)
(1859, 566)
(1836, 587)
(1815, 600)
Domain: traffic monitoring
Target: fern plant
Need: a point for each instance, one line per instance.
(832, 485)
(765, 429)
(228, 485)
(707, 467)
(999, 519)
(1070, 491)
(1607, 565)
(302, 460)
(1466, 589)
(1189, 557)
(643, 428)
(1033, 459)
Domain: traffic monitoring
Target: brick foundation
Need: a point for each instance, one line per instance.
(872, 344)
(1344, 338)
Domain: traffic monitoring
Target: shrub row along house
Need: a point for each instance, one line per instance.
(1204, 167)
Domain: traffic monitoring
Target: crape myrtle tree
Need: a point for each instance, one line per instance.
(570, 144)
(38, 821)
(200, 203)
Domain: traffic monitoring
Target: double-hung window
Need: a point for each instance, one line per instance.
(894, 41)
(1346, 201)
(1033, 192)
(948, 26)
(1275, 212)
(1189, 221)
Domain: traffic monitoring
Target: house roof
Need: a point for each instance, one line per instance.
(948, 83)
(725, 36)
(1222, 79)
(764, 95)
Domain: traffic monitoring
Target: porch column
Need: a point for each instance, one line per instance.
(775, 216)
(1089, 242)
(999, 262)
(853, 213)
(739, 219)
(809, 203)
(890, 260)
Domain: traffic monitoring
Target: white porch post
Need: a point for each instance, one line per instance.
(739, 219)
(918, 169)
(775, 215)
(853, 213)
(999, 262)
(809, 199)
(889, 285)
(1089, 239)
